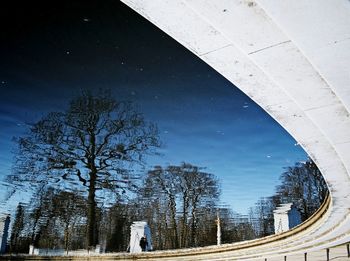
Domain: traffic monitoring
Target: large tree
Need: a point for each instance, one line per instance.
(179, 197)
(91, 144)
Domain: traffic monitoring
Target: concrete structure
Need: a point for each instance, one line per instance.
(138, 230)
(293, 59)
(4, 229)
(286, 217)
(218, 229)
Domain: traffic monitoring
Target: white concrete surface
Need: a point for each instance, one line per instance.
(293, 59)
(286, 216)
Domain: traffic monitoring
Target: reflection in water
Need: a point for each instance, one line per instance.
(171, 142)
(81, 164)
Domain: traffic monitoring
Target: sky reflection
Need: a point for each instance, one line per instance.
(51, 53)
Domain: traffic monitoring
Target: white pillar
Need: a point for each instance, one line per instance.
(218, 232)
(31, 250)
(286, 217)
(138, 230)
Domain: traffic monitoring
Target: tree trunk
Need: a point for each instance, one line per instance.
(193, 224)
(91, 226)
(66, 238)
(160, 231)
(184, 221)
(173, 218)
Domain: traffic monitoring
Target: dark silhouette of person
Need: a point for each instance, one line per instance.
(143, 243)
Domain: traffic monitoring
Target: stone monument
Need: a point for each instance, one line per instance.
(286, 216)
(138, 230)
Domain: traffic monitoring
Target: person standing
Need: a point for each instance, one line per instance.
(143, 243)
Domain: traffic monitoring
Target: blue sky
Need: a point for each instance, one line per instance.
(203, 119)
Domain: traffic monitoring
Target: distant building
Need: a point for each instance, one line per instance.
(286, 217)
(138, 230)
(4, 229)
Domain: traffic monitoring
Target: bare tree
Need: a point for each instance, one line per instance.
(181, 196)
(91, 144)
(164, 183)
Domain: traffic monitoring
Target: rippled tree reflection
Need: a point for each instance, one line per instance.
(91, 145)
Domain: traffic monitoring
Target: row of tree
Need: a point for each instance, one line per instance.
(180, 204)
(53, 218)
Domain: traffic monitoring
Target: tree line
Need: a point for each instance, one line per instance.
(179, 203)
(73, 158)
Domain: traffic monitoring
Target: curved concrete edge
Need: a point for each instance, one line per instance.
(255, 45)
